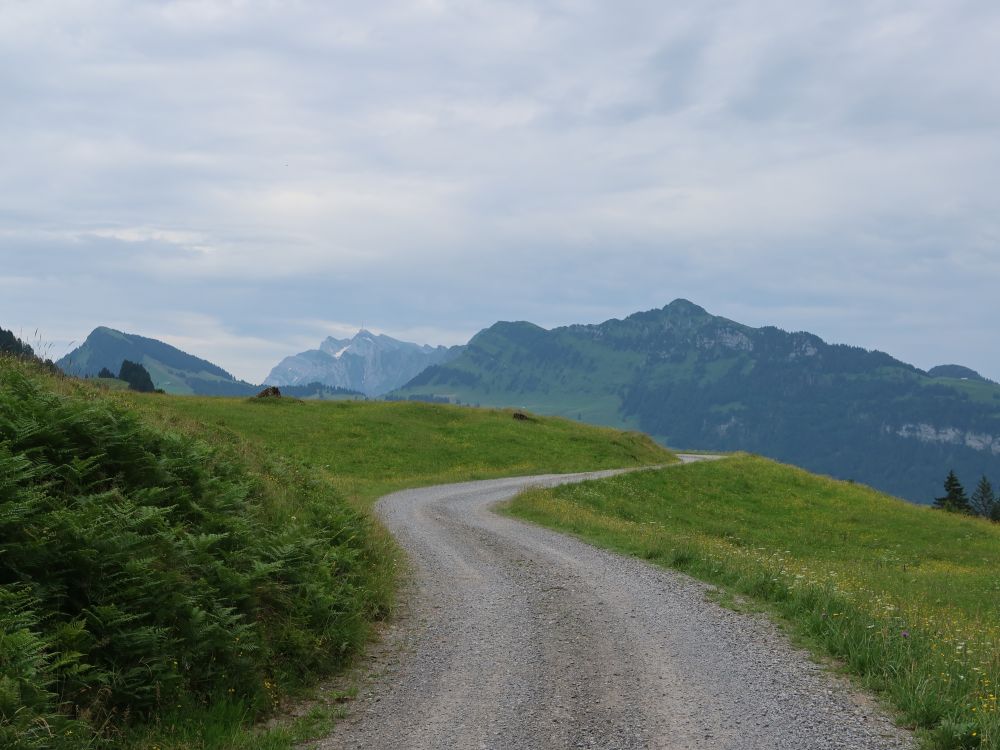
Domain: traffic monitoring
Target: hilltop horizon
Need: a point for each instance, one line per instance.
(344, 333)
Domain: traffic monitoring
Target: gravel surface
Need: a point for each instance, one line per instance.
(513, 636)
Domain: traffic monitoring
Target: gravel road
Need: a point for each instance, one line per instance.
(516, 637)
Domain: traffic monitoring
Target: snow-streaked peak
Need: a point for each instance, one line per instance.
(367, 362)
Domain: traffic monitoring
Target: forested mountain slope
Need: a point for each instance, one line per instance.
(695, 380)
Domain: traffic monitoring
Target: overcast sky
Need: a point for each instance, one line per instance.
(242, 179)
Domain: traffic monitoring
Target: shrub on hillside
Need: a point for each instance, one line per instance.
(138, 570)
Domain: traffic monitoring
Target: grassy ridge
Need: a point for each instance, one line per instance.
(907, 597)
(367, 449)
(170, 568)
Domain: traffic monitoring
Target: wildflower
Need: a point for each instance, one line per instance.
(905, 634)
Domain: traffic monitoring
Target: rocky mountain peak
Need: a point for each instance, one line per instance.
(371, 363)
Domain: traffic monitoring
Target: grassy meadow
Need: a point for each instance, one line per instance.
(367, 449)
(906, 598)
(173, 569)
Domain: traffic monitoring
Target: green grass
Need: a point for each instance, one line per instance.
(112, 384)
(229, 725)
(976, 390)
(905, 597)
(368, 448)
(172, 569)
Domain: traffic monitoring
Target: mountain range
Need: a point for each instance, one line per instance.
(365, 365)
(695, 380)
(688, 378)
(370, 363)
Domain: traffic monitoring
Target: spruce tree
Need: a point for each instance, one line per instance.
(983, 500)
(136, 376)
(105, 373)
(955, 499)
(11, 344)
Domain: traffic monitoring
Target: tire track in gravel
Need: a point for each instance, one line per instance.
(519, 638)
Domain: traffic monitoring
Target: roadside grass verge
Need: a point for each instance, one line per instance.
(905, 597)
(173, 570)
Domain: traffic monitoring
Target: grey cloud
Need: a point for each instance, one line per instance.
(439, 165)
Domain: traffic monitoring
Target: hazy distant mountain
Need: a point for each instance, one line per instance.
(372, 364)
(695, 380)
(171, 369)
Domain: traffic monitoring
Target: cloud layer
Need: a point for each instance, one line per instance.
(238, 177)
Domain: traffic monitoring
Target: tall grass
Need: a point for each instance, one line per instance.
(907, 598)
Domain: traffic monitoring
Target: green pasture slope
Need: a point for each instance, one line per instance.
(907, 598)
(172, 569)
(367, 449)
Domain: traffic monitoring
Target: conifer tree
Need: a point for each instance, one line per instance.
(11, 344)
(136, 376)
(983, 500)
(955, 499)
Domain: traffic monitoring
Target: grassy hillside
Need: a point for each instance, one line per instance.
(112, 384)
(171, 568)
(907, 597)
(367, 449)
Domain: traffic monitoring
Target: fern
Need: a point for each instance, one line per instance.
(138, 571)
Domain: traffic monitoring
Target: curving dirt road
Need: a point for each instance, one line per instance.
(518, 637)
